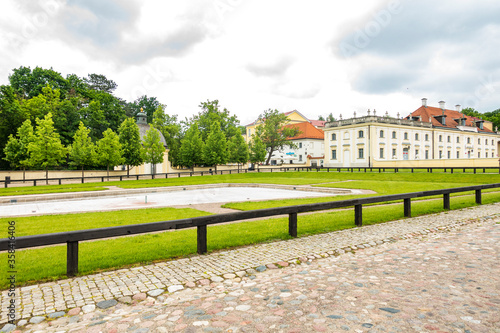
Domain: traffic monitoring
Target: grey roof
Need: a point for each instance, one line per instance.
(142, 132)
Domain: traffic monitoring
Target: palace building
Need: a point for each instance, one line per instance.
(428, 137)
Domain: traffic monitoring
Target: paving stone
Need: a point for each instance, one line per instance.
(107, 304)
(8, 328)
(56, 314)
(175, 288)
(36, 320)
(156, 292)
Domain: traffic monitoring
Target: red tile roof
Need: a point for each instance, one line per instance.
(308, 131)
(428, 113)
(318, 123)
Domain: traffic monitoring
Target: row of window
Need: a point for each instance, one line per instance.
(406, 151)
(405, 137)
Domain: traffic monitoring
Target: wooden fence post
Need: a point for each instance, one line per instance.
(478, 197)
(202, 238)
(72, 258)
(407, 207)
(358, 215)
(446, 201)
(292, 224)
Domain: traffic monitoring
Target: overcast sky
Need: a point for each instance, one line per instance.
(316, 56)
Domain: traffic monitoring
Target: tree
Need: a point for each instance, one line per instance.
(190, 151)
(170, 129)
(109, 150)
(130, 140)
(16, 149)
(153, 148)
(11, 118)
(93, 118)
(29, 84)
(82, 152)
(238, 150)
(46, 150)
(257, 150)
(211, 113)
(273, 133)
(321, 118)
(99, 82)
(330, 117)
(215, 149)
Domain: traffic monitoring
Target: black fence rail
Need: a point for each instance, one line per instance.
(60, 180)
(72, 238)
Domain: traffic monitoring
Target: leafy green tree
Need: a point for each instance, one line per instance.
(46, 150)
(93, 118)
(214, 151)
(211, 112)
(153, 148)
(109, 150)
(171, 130)
(257, 149)
(130, 140)
(330, 117)
(190, 151)
(111, 107)
(29, 84)
(273, 133)
(320, 117)
(16, 150)
(82, 152)
(11, 118)
(99, 82)
(238, 150)
(471, 112)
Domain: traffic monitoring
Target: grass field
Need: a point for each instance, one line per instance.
(48, 263)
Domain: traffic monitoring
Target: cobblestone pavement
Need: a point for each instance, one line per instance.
(435, 273)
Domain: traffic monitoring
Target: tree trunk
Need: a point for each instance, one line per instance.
(216, 169)
(128, 171)
(47, 175)
(82, 171)
(107, 168)
(24, 174)
(269, 157)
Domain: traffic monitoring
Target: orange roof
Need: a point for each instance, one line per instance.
(308, 131)
(428, 113)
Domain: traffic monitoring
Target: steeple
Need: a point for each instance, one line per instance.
(142, 118)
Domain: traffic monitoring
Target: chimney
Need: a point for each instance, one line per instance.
(424, 102)
(441, 104)
(457, 107)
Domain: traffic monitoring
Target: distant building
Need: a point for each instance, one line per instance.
(310, 142)
(428, 137)
(148, 168)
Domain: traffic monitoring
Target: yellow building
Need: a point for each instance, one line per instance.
(428, 137)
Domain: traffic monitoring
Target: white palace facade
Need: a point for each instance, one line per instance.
(428, 137)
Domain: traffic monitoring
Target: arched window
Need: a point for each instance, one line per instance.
(334, 137)
(394, 134)
(381, 133)
(361, 134)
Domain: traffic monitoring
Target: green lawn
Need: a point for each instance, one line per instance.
(47, 189)
(48, 263)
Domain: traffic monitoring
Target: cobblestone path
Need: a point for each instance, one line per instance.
(438, 273)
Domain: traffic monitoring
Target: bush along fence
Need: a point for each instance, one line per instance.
(72, 238)
(475, 170)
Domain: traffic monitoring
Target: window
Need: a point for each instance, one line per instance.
(458, 154)
(427, 137)
(486, 154)
(458, 139)
(468, 140)
(394, 153)
(440, 138)
(448, 139)
(381, 134)
(406, 136)
(492, 142)
(486, 141)
(426, 154)
(300, 144)
(334, 137)
(416, 136)
(360, 153)
(416, 153)
(334, 154)
(478, 141)
(478, 154)
(440, 154)
(361, 134)
(449, 154)
(381, 152)
(249, 132)
(394, 134)
(300, 157)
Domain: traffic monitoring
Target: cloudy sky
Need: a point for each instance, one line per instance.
(317, 56)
